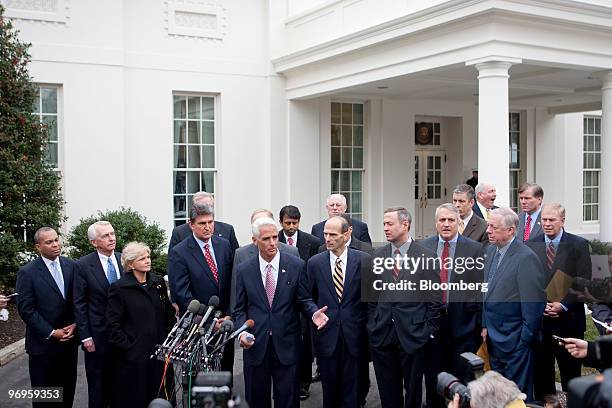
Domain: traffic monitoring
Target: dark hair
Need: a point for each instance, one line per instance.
(465, 189)
(289, 211)
(347, 219)
(200, 209)
(537, 190)
(40, 231)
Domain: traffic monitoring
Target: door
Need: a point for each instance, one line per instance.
(429, 190)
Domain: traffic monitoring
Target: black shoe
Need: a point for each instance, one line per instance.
(304, 393)
(316, 377)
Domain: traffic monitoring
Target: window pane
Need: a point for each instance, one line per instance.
(194, 157)
(193, 107)
(355, 202)
(208, 184)
(436, 127)
(193, 182)
(180, 207)
(587, 213)
(36, 103)
(179, 182)
(194, 131)
(335, 157)
(335, 112)
(335, 135)
(358, 114)
(591, 126)
(51, 154)
(356, 181)
(335, 181)
(208, 132)
(209, 157)
(358, 136)
(598, 126)
(179, 131)
(347, 114)
(49, 100)
(180, 107)
(358, 158)
(345, 181)
(51, 124)
(347, 135)
(208, 108)
(347, 158)
(597, 143)
(180, 160)
(595, 212)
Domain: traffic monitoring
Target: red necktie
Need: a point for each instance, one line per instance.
(550, 255)
(396, 265)
(527, 229)
(290, 241)
(443, 270)
(211, 263)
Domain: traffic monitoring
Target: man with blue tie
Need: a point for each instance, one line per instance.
(45, 305)
(94, 275)
(530, 220)
(267, 292)
(200, 267)
(332, 289)
(514, 302)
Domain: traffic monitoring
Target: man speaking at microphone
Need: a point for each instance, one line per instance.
(267, 292)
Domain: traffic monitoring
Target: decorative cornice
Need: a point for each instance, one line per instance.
(38, 11)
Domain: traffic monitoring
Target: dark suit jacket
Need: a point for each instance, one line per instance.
(535, 230)
(360, 230)
(477, 211)
(573, 258)
(476, 230)
(355, 244)
(90, 299)
(279, 323)
(307, 245)
(222, 229)
(42, 307)
(349, 316)
(515, 300)
(464, 308)
(190, 276)
(414, 317)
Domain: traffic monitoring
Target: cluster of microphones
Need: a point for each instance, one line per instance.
(200, 336)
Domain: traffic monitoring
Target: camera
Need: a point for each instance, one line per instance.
(593, 391)
(213, 390)
(448, 385)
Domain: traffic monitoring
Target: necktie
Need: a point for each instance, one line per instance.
(57, 277)
(486, 214)
(550, 255)
(290, 241)
(461, 227)
(527, 229)
(493, 268)
(211, 263)
(396, 265)
(270, 284)
(443, 270)
(338, 279)
(111, 272)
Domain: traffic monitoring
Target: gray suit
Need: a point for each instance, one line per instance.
(248, 251)
(536, 228)
(476, 229)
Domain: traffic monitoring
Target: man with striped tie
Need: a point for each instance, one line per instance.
(332, 287)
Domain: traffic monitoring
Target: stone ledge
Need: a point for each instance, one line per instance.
(11, 352)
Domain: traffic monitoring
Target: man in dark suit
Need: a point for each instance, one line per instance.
(400, 323)
(471, 227)
(530, 197)
(200, 267)
(332, 287)
(95, 272)
(564, 256)
(460, 323)
(336, 205)
(222, 229)
(267, 292)
(514, 302)
(307, 246)
(473, 181)
(45, 305)
(485, 199)
(353, 242)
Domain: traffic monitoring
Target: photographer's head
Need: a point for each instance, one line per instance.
(493, 390)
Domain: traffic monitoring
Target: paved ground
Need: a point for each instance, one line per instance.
(15, 376)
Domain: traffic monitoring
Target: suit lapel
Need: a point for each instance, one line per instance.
(46, 276)
(216, 244)
(256, 280)
(67, 274)
(98, 271)
(506, 260)
(328, 277)
(351, 269)
(281, 281)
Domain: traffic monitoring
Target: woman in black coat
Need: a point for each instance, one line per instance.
(139, 316)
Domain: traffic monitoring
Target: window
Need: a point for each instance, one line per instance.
(347, 155)
(591, 167)
(45, 108)
(194, 151)
(515, 158)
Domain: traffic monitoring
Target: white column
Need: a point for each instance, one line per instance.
(605, 181)
(493, 156)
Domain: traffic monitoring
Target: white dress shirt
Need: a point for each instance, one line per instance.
(104, 260)
(263, 264)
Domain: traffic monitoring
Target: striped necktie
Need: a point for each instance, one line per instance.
(339, 279)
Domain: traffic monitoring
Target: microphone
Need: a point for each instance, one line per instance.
(193, 307)
(212, 325)
(159, 403)
(213, 302)
(247, 325)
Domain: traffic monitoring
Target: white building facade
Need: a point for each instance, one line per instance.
(278, 102)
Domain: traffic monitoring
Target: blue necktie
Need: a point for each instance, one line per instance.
(57, 277)
(111, 272)
(494, 265)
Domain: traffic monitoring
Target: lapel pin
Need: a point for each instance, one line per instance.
(283, 271)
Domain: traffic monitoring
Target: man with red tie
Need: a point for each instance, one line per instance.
(460, 321)
(200, 267)
(530, 218)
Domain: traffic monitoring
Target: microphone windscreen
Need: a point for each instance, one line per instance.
(217, 314)
(227, 326)
(159, 403)
(194, 306)
(197, 319)
(202, 310)
(250, 323)
(213, 301)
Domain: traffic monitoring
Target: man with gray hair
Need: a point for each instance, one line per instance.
(492, 390)
(200, 267)
(222, 229)
(514, 302)
(267, 292)
(336, 205)
(485, 197)
(94, 275)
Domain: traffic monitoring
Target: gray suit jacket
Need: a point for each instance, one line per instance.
(535, 230)
(247, 252)
(476, 230)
